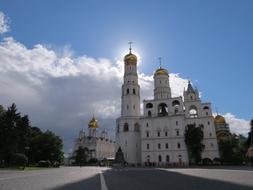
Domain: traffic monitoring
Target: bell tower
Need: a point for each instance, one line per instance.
(161, 82)
(130, 101)
(128, 124)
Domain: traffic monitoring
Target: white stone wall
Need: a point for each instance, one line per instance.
(129, 141)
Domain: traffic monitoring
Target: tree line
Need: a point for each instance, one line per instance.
(23, 144)
(233, 148)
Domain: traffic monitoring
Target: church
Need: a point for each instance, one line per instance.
(157, 135)
(97, 144)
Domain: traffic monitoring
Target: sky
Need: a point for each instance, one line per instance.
(62, 61)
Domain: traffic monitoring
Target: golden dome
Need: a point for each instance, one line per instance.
(130, 59)
(219, 119)
(93, 123)
(161, 71)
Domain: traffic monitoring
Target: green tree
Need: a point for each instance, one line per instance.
(233, 149)
(81, 155)
(193, 139)
(9, 134)
(46, 146)
(18, 137)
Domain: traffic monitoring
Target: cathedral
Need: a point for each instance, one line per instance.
(157, 135)
(98, 145)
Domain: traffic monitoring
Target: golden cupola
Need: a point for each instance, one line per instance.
(130, 58)
(93, 123)
(219, 119)
(161, 71)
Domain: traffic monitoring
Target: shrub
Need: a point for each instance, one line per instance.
(216, 161)
(56, 164)
(19, 159)
(207, 161)
(93, 160)
(44, 163)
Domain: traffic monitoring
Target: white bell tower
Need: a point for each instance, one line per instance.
(128, 124)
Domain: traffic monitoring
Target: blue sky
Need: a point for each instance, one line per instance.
(209, 42)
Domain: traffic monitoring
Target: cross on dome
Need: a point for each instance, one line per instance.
(130, 46)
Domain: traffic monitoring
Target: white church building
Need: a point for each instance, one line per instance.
(98, 144)
(157, 136)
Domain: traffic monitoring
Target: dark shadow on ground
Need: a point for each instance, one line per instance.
(163, 180)
(92, 183)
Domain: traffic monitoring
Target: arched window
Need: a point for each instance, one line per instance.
(148, 158)
(193, 112)
(180, 159)
(149, 113)
(175, 103)
(159, 158)
(162, 109)
(133, 91)
(136, 127)
(149, 105)
(206, 108)
(126, 127)
(178, 145)
(167, 158)
(128, 91)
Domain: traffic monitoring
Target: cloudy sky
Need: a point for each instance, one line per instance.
(61, 62)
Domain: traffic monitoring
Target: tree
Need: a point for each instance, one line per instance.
(9, 134)
(250, 135)
(46, 146)
(193, 139)
(18, 137)
(250, 143)
(18, 159)
(81, 155)
(233, 149)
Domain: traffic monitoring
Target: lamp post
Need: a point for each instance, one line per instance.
(27, 148)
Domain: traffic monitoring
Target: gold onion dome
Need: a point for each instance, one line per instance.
(93, 123)
(161, 71)
(219, 119)
(130, 58)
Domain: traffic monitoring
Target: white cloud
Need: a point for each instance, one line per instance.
(237, 125)
(4, 27)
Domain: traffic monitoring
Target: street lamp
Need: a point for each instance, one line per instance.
(27, 148)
